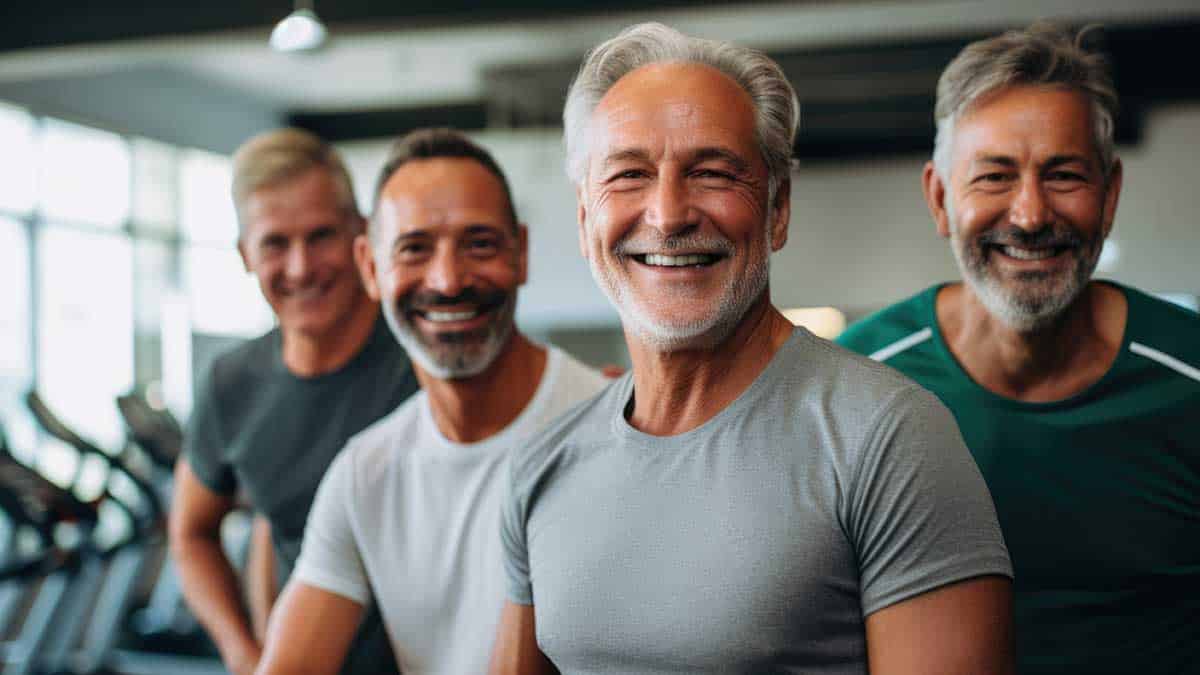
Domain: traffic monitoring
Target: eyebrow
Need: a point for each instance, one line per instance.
(1056, 160)
(628, 154)
(698, 155)
(738, 162)
(1059, 160)
(1002, 160)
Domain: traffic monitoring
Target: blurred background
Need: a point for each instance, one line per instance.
(117, 119)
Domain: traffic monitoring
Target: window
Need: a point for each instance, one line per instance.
(83, 175)
(16, 373)
(85, 328)
(116, 253)
(17, 167)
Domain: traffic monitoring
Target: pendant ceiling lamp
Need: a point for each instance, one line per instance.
(299, 31)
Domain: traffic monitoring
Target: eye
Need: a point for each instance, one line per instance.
(712, 174)
(994, 177)
(627, 174)
(1065, 176)
(412, 251)
(482, 246)
(272, 245)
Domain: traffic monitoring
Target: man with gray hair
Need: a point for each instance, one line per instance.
(749, 498)
(1077, 397)
(274, 412)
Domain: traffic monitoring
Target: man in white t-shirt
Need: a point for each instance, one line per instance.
(407, 515)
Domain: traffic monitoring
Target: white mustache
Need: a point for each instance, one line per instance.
(691, 242)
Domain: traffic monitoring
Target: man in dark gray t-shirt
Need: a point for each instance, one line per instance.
(273, 413)
(749, 498)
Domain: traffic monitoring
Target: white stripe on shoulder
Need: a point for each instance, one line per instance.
(1165, 359)
(902, 344)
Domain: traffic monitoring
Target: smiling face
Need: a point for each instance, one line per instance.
(673, 212)
(446, 263)
(1027, 206)
(299, 242)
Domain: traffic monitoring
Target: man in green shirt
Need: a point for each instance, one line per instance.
(1077, 397)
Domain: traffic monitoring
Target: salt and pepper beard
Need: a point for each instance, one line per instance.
(1035, 305)
(456, 357)
(705, 333)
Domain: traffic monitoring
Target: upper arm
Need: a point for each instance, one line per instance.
(920, 515)
(516, 651)
(963, 628)
(195, 508)
(310, 631)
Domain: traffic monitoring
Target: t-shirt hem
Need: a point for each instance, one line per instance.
(217, 486)
(992, 565)
(333, 584)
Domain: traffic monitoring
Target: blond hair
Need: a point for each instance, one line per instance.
(278, 156)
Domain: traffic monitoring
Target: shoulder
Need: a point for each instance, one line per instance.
(546, 450)
(906, 320)
(235, 368)
(1162, 331)
(830, 373)
(572, 379)
(399, 429)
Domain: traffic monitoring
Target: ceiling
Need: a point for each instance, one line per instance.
(203, 75)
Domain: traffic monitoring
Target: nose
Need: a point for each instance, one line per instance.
(669, 209)
(447, 273)
(1029, 210)
(299, 263)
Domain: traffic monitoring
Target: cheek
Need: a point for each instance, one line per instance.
(741, 215)
(1080, 210)
(973, 212)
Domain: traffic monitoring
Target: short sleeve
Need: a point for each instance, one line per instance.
(329, 557)
(204, 443)
(516, 552)
(920, 515)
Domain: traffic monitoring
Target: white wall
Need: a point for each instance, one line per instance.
(860, 235)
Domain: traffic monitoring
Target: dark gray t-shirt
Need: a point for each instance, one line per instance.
(757, 542)
(259, 428)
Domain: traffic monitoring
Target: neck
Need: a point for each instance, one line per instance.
(472, 409)
(309, 355)
(1054, 362)
(680, 390)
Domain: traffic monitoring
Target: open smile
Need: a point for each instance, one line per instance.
(1029, 254)
(678, 260)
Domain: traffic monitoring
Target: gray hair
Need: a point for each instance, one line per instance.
(777, 111)
(275, 157)
(1044, 54)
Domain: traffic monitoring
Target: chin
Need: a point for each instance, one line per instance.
(674, 334)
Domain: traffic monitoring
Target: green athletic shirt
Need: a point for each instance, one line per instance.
(1098, 495)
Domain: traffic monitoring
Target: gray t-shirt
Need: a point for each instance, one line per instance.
(757, 542)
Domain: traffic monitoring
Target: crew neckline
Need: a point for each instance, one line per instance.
(623, 429)
(378, 337)
(510, 432)
(963, 378)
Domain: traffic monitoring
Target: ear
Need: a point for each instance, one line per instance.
(935, 198)
(241, 248)
(1112, 195)
(364, 258)
(581, 217)
(522, 253)
(781, 215)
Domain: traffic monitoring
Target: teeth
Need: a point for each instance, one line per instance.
(1027, 253)
(676, 260)
(451, 316)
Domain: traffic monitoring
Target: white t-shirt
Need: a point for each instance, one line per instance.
(412, 519)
